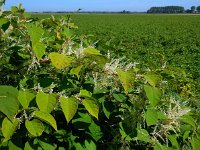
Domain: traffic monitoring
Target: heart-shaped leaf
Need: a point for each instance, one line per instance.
(60, 61)
(151, 116)
(91, 51)
(92, 107)
(35, 127)
(153, 94)
(46, 102)
(127, 79)
(9, 103)
(9, 127)
(36, 35)
(46, 117)
(25, 97)
(69, 107)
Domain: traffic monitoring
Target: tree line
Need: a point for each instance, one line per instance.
(174, 9)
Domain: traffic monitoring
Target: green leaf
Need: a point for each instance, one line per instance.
(35, 127)
(76, 71)
(69, 107)
(95, 131)
(123, 131)
(14, 9)
(45, 145)
(127, 132)
(143, 135)
(3, 21)
(189, 120)
(85, 93)
(84, 117)
(60, 61)
(153, 94)
(8, 90)
(186, 135)
(78, 146)
(119, 97)
(92, 107)
(36, 35)
(46, 117)
(71, 25)
(90, 145)
(162, 147)
(25, 97)
(173, 140)
(127, 79)
(161, 115)
(46, 102)
(151, 117)
(13, 146)
(195, 143)
(105, 110)
(6, 26)
(152, 78)
(67, 32)
(39, 49)
(9, 128)
(35, 32)
(100, 59)
(82, 122)
(61, 148)
(91, 51)
(9, 103)
(28, 146)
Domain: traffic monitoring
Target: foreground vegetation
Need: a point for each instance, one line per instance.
(60, 89)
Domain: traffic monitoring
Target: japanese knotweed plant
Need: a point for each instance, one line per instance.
(57, 91)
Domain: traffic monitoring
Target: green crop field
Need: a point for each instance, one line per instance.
(143, 38)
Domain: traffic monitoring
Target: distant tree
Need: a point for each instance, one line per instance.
(166, 9)
(193, 9)
(125, 12)
(188, 11)
(79, 10)
(198, 9)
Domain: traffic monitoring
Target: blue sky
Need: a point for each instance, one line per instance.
(97, 5)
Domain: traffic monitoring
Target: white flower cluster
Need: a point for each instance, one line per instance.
(38, 88)
(111, 67)
(77, 52)
(173, 114)
(172, 121)
(50, 88)
(34, 65)
(108, 76)
(70, 50)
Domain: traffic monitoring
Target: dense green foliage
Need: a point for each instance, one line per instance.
(198, 9)
(59, 90)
